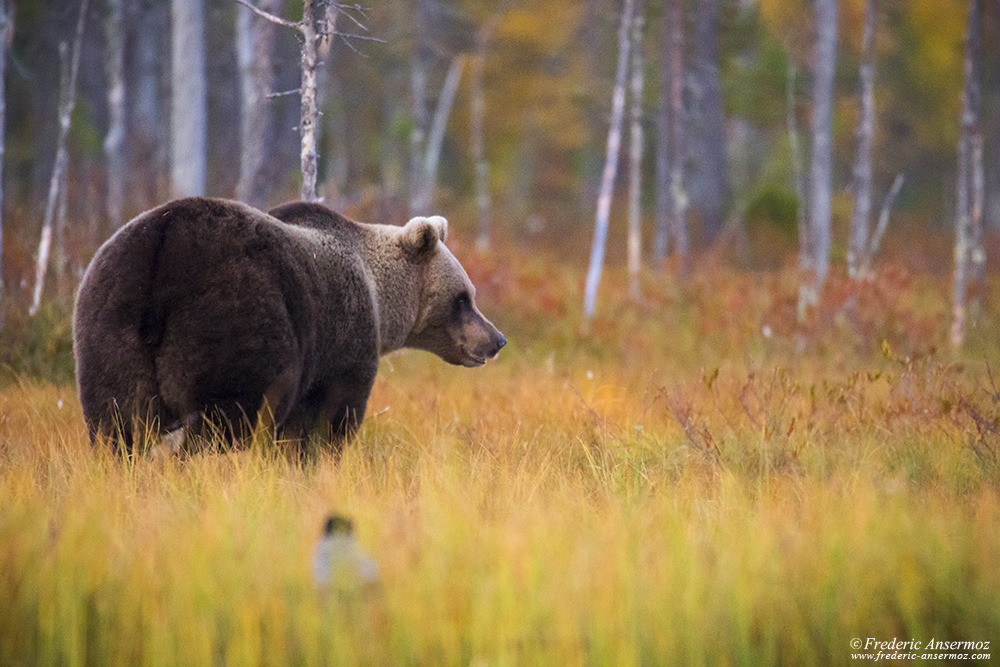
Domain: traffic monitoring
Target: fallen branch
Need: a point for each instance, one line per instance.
(883, 222)
(66, 104)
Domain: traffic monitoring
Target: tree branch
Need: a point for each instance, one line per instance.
(285, 93)
(351, 35)
(269, 16)
(351, 18)
(883, 222)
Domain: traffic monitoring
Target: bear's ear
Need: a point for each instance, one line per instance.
(421, 235)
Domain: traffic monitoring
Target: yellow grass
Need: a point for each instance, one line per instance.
(601, 499)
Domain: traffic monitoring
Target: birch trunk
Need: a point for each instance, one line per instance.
(678, 194)
(432, 151)
(254, 42)
(964, 240)
(635, 160)
(67, 103)
(883, 223)
(312, 32)
(6, 32)
(59, 243)
(661, 237)
(114, 140)
(977, 254)
(187, 92)
(820, 196)
(863, 161)
(307, 122)
(418, 99)
(610, 166)
(478, 144)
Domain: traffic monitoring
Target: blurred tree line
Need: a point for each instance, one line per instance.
(546, 71)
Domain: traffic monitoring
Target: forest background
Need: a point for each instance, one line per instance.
(545, 77)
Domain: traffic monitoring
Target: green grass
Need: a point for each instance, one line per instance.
(672, 487)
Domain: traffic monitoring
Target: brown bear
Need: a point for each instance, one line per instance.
(203, 311)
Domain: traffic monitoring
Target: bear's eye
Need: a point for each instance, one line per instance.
(462, 302)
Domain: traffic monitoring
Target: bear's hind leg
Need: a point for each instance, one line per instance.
(344, 409)
(124, 422)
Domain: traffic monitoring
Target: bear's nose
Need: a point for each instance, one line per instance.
(501, 342)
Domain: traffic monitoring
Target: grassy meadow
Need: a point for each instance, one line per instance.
(695, 479)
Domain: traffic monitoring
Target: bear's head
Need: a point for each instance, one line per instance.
(448, 322)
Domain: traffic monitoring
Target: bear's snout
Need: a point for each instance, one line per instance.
(481, 342)
(501, 340)
(494, 341)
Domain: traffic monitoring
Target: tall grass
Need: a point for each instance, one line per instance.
(674, 487)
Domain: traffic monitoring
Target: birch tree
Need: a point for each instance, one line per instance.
(863, 160)
(868, 254)
(312, 29)
(254, 42)
(188, 98)
(477, 108)
(114, 140)
(969, 255)
(635, 160)
(661, 235)
(610, 165)
(820, 173)
(6, 34)
(675, 187)
(418, 99)
(67, 102)
(435, 139)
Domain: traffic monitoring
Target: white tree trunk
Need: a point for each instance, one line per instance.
(307, 122)
(635, 160)
(114, 140)
(254, 40)
(965, 248)
(313, 31)
(67, 97)
(478, 144)
(977, 254)
(435, 140)
(883, 222)
(610, 166)
(418, 100)
(661, 237)
(60, 260)
(6, 33)
(821, 170)
(187, 115)
(678, 193)
(863, 160)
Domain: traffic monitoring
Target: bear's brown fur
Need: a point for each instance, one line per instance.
(207, 309)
